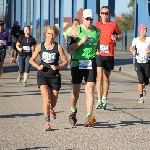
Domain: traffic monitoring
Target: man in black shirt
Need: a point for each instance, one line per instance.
(16, 32)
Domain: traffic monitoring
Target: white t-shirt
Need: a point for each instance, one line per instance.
(142, 54)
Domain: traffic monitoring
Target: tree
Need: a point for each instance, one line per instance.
(131, 3)
(126, 20)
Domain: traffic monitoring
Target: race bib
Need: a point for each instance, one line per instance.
(48, 57)
(85, 64)
(26, 48)
(1, 43)
(104, 48)
(142, 59)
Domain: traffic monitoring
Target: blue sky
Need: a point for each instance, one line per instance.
(120, 6)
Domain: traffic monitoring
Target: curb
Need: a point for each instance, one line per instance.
(130, 71)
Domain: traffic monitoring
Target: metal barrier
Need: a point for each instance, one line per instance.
(31, 12)
(127, 37)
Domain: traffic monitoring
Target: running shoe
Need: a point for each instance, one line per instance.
(99, 105)
(24, 84)
(52, 115)
(141, 100)
(19, 78)
(104, 103)
(47, 127)
(72, 118)
(90, 121)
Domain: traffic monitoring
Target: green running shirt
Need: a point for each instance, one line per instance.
(86, 51)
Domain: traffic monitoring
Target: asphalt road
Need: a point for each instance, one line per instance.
(125, 125)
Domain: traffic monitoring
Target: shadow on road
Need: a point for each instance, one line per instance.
(19, 95)
(32, 148)
(24, 115)
(122, 123)
(125, 61)
(38, 148)
(113, 125)
(20, 115)
(8, 69)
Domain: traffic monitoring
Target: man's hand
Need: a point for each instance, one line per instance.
(113, 38)
(98, 53)
(84, 38)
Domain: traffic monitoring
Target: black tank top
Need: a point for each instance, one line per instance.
(49, 57)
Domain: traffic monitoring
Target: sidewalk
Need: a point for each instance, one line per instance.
(124, 63)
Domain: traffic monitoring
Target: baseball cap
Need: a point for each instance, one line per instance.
(141, 27)
(87, 13)
(1, 23)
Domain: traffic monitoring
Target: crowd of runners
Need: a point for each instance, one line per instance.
(90, 50)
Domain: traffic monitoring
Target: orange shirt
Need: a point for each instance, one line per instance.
(106, 44)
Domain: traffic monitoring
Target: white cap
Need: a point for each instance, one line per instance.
(88, 13)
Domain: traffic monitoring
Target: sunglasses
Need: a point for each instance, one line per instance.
(89, 19)
(105, 13)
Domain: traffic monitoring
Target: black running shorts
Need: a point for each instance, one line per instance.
(107, 62)
(143, 72)
(53, 81)
(89, 75)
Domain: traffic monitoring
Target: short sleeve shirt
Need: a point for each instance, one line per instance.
(106, 44)
(26, 43)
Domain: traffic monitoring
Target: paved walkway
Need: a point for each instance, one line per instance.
(125, 125)
(124, 63)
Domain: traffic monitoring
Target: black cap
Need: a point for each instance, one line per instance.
(1, 23)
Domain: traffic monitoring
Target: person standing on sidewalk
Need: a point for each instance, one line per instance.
(16, 32)
(4, 40)
(25, 45)
(48, 76)
(67, 33)
(110, 33)
(142, 53)
(83, 44)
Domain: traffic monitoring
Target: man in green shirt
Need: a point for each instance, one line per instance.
(66, 35)
(83, 45)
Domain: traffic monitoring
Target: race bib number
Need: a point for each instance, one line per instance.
(85, 64)
(104, 48)
(142, 59)
(1, 43)
(26, 48)
(48, 57)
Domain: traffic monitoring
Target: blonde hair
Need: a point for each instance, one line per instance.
(51, 27)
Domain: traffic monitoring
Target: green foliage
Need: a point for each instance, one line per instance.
(131, 3)
(126, 20)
